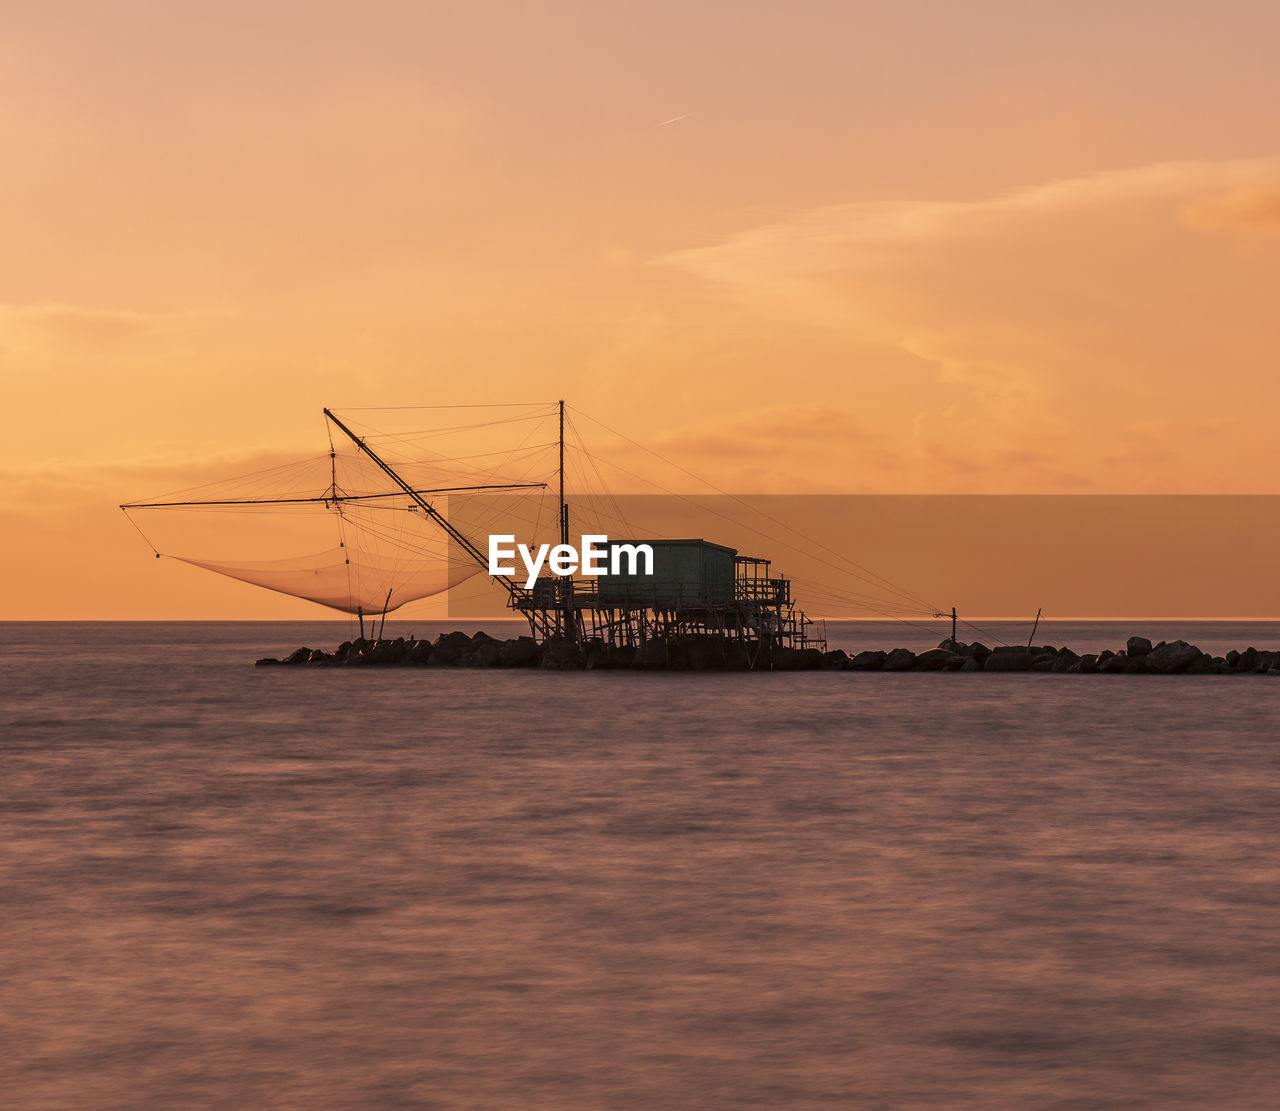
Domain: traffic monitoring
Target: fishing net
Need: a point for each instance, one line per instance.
(340, 530)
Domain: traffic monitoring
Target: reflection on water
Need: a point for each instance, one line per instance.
(229, 888)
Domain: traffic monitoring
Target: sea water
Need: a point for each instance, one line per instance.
(432, 888)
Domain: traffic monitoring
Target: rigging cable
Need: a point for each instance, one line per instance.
(865, 570)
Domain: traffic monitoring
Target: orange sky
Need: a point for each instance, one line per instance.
(924, 247)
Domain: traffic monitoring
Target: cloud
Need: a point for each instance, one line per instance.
(791, 254)
(45, 326)
(1255, 206)
(1023, 341)
(26, 325)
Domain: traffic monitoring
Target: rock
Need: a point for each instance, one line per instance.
(1111, 663)
(979, 652)
(936, 659)
(351, 649)
(1009, 659)
(868, 661)
(561, 655)
(677, 653)
(357, 657)
(738, 655)
(796, 659)
(521, 652)
(444, 654)
(385, 653)
(1172, 659)
(810, 659)
(457, 642)
(484, 653)
(597, 656)
(652, 655)
(705, 654)
(419, 653)
(784, 659)
(624, 655)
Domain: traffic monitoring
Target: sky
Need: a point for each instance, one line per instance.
(812, 248)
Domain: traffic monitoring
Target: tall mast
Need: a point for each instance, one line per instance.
(564, 509)
(567, 624)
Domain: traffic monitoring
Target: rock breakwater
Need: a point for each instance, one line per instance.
(457, 649)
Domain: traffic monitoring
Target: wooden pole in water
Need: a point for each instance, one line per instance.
(384, 613)
(1034, 627)
(360, 612)
(953, 626)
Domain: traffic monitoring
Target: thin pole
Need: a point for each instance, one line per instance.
(566, 584)
(331, 498)
(360, 611)
(1034, 628)
(564, 509)
(953, 626)
(384, 613)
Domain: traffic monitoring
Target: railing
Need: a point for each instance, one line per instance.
(769, 592)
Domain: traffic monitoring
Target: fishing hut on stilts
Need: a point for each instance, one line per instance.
(700, 595)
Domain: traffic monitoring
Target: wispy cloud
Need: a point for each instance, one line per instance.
(834, 237)
(1045, 327)
(55, 324)
(1255, 207)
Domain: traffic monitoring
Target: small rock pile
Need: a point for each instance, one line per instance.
(457, 649)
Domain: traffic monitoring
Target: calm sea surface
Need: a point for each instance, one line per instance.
(231, 888)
